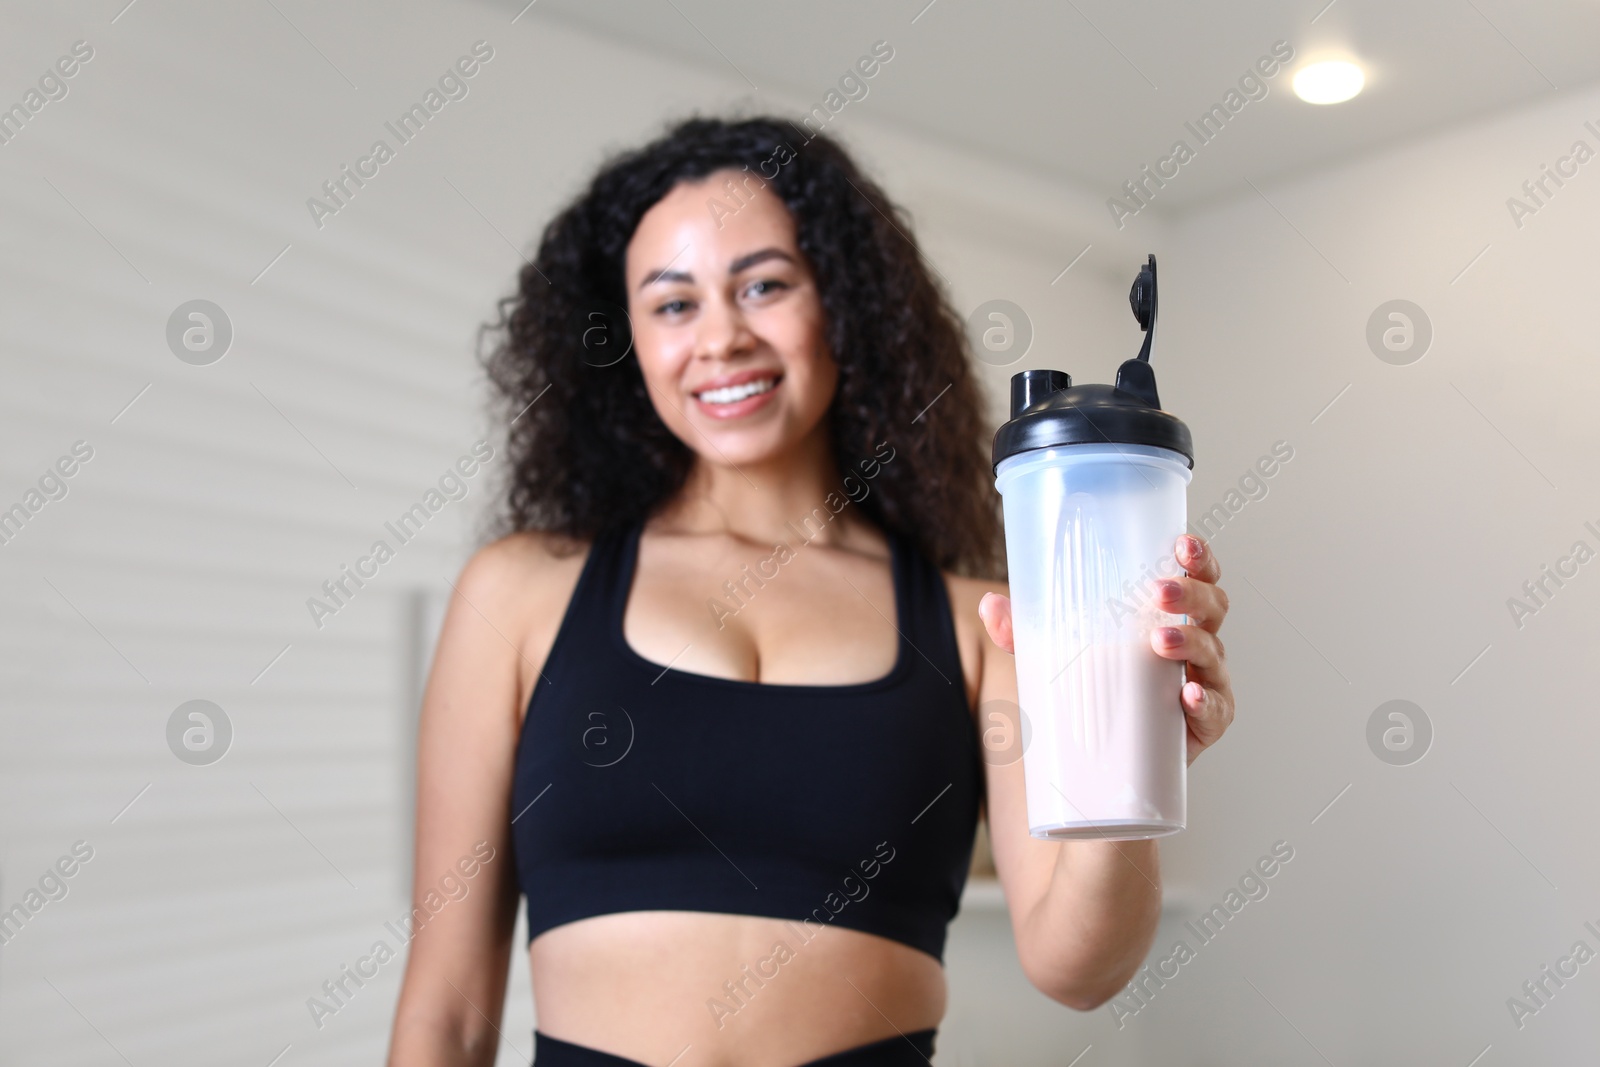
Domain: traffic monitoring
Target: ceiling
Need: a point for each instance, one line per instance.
(1088, 91)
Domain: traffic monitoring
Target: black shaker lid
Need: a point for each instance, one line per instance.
(1048, 410)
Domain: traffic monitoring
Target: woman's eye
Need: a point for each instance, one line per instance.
(673, 307)
(765, 286)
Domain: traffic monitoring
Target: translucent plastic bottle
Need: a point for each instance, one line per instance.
(1094, 481)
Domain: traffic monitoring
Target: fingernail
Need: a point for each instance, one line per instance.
(1171, 636)
(1168, 589)
(1195, 548)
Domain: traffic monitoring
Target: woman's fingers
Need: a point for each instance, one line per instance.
(1209, 712)
(1205, 604)
(1196, 557)
(1200, 647)
(995, 611)
(1204, 658)
(1207, 695)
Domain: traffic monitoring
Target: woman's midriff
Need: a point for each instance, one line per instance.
(735, 989)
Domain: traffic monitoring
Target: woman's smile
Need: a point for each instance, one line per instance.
(737, 395)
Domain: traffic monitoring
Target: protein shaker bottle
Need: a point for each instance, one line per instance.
(1093, 480)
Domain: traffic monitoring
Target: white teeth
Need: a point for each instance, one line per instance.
(733, 393)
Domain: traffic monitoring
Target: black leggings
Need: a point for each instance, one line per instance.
(911, 1050)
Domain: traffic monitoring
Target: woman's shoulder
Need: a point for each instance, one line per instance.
(527, 549)
(522, 575)
(521, 584)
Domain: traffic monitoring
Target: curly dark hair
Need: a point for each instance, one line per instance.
(584, 445)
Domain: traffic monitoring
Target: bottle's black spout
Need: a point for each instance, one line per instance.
(1031, 386)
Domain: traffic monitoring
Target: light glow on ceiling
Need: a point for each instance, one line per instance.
(1331, 82)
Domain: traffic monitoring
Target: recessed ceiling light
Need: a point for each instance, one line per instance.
(1332, 82)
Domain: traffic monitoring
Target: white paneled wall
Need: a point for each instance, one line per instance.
(219, 498)
(179, 564)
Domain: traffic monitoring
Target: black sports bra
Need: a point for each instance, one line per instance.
(639, 787)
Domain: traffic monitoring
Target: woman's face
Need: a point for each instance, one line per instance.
(727, 322)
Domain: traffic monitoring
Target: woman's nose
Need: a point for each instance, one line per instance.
(722, 331)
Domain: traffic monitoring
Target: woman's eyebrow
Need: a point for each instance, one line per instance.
(663, 275)
(744, 262)
(747, 261)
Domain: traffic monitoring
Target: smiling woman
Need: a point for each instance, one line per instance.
(595, 448)
(773, 350)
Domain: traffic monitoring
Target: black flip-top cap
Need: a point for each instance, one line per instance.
(1047, 410)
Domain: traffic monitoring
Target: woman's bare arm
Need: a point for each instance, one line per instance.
(454, 987)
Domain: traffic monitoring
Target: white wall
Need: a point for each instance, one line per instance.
(1378, 566)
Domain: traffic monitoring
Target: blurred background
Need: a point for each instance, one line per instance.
(1397, 289)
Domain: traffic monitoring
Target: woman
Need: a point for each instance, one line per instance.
(713, 704)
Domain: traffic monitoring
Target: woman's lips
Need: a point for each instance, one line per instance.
(740, 408)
